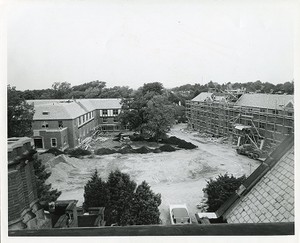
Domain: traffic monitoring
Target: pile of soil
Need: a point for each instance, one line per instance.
(54, 151)
(126, 150)
(179, 142)
(78, 152)
(167, 148)
(104, 151)
(143, 150)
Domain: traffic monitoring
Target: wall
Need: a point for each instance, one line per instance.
(271, 199)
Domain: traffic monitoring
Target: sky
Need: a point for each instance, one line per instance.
(129, 43)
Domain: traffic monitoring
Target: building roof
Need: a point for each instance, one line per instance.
(203, 96)
(269, 101)
(70, 109)
(276, 157)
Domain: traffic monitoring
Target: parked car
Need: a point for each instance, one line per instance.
(179, 214)
(249, 150)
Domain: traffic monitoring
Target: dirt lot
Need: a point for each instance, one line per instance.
(179, 176)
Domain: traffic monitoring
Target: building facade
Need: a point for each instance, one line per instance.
(24, 210)
(66, 123)
(268, 117)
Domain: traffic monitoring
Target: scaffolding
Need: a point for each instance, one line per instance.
(268, 126)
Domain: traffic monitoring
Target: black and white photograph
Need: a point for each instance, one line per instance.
(157, 119)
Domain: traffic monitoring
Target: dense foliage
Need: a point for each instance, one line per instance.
(220, 189)
(44, 191)
(124, 202)
(19, 114)
(189, 91)
(149, 112)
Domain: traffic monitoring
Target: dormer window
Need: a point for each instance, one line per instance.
(44, 125)
(45, 112)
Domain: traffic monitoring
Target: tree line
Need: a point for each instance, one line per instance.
(98, 89)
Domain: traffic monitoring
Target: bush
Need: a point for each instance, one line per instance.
(77, 152)
(105, 151)
(220, 189)
(167, 148)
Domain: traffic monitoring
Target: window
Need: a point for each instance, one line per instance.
(78, 119)
(53, 142)
(275, 111)
(104, 119)
(45, 113)
(289, 130)
(92, 114)
(83, 117)
(44, 125)
(89, 115)
(115, 112)
(261, 125)
(86, 117)
(104, 112)
(290, 114)
(115, 119)
(262, 110)
(60, 124)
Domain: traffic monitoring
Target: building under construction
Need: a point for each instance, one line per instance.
(263, 120)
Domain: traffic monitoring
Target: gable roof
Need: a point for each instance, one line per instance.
(70, 109)
(203, 96)
(269, 101)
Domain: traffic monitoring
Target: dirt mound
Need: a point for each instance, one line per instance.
(54, 151)
(77, 152)
(104, 151)
(167, 148)
(179, 142)
(143, 150)
(126, 150)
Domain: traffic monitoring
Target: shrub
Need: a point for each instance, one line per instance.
(77, 152)
(220, 189)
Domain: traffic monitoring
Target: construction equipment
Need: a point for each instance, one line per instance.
(249, 150)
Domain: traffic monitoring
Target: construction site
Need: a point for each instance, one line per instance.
(259, 120)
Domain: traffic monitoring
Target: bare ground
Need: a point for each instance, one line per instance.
(179, 176)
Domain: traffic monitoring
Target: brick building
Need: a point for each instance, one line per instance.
(268, 118)
(267, 195)
(66, 123)
(24, 210)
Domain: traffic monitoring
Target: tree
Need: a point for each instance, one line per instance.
(44, 191)
(60, 90)
(160, 116)
(19, 114)
(95, 192)
(220, 189)
(148, 112)
(121, 191)
(124, 202)
(143, 207)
